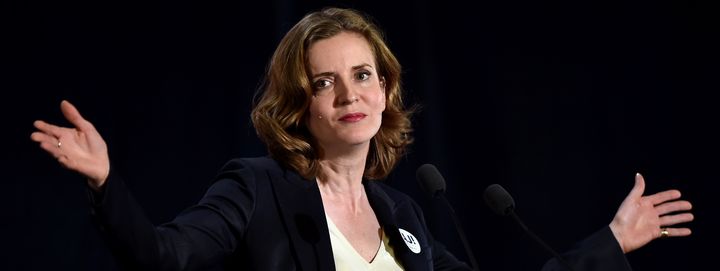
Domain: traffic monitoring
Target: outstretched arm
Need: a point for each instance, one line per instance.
(201, 236)
(80, 148)
(641, 219)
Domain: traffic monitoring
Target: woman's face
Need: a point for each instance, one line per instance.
(349, 98)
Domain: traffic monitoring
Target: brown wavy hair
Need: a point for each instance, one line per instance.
(280, 112)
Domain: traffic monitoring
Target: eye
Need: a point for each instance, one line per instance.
(362, 75)
(321, 84)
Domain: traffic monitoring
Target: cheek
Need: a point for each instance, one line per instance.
(315, 110)
(314, 124)
(314, 116)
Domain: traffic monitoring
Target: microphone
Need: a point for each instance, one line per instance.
(500, 202)
(433, 183)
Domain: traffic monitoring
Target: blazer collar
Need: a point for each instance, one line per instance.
(386, 208)
(301, 208)
(303, 215)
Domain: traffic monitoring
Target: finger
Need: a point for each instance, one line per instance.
(48, 128)
(669, 220)
(73, 116)
(663, 196)
(40, 137)
(51, 148)
(639, 187)
(678, 232)
(673, 206)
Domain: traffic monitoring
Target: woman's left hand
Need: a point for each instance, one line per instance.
(641, 219)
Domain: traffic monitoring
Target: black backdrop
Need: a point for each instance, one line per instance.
(560, 102)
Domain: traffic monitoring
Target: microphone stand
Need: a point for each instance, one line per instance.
(464, 240)
(540, 241)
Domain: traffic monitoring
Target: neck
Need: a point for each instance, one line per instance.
(340, 177)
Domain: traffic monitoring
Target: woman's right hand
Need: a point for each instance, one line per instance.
(81, 148)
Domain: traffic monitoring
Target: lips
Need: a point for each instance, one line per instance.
(353, 117)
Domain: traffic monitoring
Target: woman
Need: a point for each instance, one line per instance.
(332, 117)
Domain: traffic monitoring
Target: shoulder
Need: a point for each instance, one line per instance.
(243, 176)
(247, 169)
(262, 162)
(389, 190)
(260, 170)
(239, 165)
(390, 194)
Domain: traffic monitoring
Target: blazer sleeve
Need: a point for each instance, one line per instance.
(599, 251)
(199, 237)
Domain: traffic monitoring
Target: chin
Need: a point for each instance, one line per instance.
(357, 135)
(358, 139)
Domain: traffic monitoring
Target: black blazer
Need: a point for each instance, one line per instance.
(258, 215)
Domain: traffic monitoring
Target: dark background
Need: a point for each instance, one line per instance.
(560, 102)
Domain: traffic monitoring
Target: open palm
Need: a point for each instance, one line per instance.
(79, 148)
(641, 219)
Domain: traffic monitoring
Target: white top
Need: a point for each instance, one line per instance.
(348, 259)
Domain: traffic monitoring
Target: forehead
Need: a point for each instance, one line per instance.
(344, 49)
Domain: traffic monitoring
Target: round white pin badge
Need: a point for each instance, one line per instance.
(410, 241)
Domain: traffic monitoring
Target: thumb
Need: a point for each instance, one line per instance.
(73, 116)
(639, 187)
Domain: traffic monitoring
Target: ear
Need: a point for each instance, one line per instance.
(382, 83)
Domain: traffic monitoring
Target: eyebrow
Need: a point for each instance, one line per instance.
(356, 67)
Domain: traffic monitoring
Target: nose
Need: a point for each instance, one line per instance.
(346, 92)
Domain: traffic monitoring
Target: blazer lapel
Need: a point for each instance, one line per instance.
(300, 205)
(386, 209)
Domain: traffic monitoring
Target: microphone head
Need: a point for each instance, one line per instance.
(499, 200)
(430, 180)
